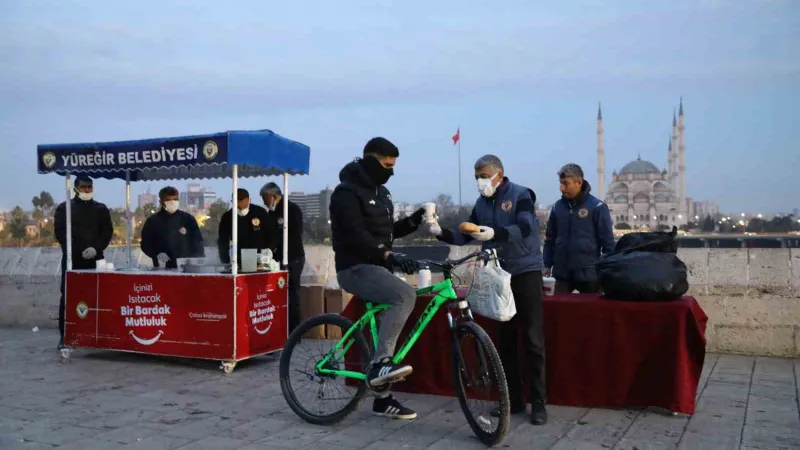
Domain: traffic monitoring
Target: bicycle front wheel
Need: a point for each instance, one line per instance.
(480, 383)
(322, 398)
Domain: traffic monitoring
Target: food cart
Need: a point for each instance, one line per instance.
(219, 314)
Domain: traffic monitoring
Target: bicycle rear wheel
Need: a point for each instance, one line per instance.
(308, 344)
(478, 372)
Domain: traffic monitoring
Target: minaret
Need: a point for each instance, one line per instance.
(673, 162)
(683, 207)
(669, 160)
(601, 157)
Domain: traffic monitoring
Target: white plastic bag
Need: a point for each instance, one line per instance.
(491, 294)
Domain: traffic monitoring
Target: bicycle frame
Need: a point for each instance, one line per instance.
(444, 293)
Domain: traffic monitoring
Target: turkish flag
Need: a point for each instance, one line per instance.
(457, 136)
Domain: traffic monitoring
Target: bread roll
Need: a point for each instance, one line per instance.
(468, 228)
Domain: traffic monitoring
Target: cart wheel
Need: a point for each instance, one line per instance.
(65, 353)
(228, 366)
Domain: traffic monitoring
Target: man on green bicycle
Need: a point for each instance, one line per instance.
(363, 229)
(504, 212)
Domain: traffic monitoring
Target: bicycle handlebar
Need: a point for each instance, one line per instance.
(450, 264)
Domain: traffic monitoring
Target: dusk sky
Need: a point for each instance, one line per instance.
(521, 78)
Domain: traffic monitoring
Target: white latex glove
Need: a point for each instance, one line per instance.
(89, 253)
(435, 229)
(162, 258)
(486, 234)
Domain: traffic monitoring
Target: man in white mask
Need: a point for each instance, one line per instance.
(252, 222)
(171, 233)
(505, 215)
(92, 230)
(273, 199)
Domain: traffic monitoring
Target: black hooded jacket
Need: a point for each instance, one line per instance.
(91, 227)
(362, 220)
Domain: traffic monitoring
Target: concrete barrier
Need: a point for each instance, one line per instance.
(752, 296)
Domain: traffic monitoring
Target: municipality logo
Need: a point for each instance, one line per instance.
(210, 150)
(82, 310)
(281, 282)
(49, 159)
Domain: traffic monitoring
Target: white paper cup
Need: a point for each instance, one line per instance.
(100, 264)
(430, 210)
(109, 266)
(548, 285)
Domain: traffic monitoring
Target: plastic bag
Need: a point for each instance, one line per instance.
(491, 294)
(642, 276)
(654, 241)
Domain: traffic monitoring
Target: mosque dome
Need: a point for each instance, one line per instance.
(639, 166)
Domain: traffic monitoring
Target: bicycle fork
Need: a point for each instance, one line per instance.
(453, 317)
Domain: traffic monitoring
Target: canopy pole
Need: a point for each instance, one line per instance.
(69, 221)
(285, 220)
(128, 227)
(235, 224)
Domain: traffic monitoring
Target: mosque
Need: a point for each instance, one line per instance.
(643, 196)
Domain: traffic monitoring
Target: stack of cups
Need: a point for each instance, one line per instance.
(102, 265)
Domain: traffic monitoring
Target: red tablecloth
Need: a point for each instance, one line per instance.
(600, 352)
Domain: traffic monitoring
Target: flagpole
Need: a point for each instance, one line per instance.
(459, 169)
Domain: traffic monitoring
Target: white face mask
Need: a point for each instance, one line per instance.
(244, 212)
(171, 206)
(486, 186)
(82, 195)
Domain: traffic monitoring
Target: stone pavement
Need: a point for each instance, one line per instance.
(104, 400)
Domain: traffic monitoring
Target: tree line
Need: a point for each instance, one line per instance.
(315, 230)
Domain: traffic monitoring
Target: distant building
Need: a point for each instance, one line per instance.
(146, 199)
(702, 209)
(314, 206)
(643, 196)
(196, 198)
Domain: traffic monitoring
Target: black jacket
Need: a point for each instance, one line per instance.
(253, 232)
(91, 227)
(296, 249)
(362, 220)
(176, 234)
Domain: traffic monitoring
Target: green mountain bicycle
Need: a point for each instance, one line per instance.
(346, 358)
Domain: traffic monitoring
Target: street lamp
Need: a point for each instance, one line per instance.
(742, 214)
(759, 216)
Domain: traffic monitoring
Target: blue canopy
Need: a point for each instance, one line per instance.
(257, 153)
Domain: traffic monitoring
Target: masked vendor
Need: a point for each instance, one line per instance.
(92, 230)
(252, 223)
(171, 233)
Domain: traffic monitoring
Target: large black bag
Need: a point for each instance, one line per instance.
(653, 241)
(642, 276)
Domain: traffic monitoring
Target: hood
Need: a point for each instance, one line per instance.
(353, 173)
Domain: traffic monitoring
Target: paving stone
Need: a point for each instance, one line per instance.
(214, 443)
(773, 436)
(356, 436)
(258, 429)
(653, 430)
(602, 426)
(299, 436)
(712, 431)
(91, 444)
(107, 400)
(158, 442)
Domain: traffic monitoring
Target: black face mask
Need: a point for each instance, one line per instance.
(376, 173)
